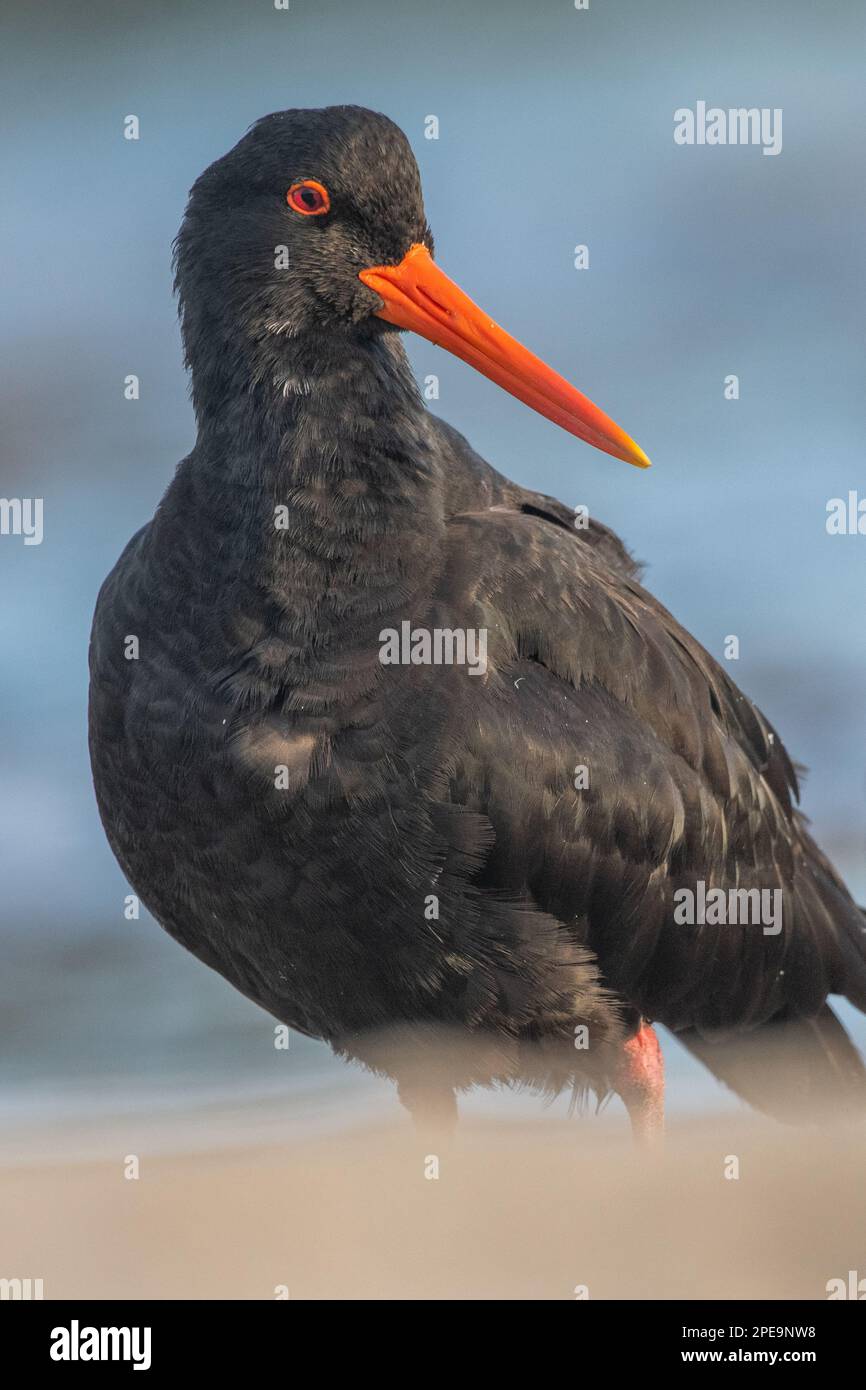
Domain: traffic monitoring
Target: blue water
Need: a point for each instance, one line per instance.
(555, 129)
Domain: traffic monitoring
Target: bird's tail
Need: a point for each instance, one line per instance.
(792, 1069)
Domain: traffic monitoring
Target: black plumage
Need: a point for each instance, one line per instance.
(322, 504)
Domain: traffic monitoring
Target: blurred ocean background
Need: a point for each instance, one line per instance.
(555, 129)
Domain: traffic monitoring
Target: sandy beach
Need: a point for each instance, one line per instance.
(543, 1209)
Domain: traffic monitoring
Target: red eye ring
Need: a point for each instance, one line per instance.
(308, 197)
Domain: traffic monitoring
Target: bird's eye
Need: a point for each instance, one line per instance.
(309, 197)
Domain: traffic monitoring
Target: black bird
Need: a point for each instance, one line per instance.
(363, 844)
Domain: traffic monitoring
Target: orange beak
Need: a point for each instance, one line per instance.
(418, 295)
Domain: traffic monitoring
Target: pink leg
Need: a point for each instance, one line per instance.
(641, 1084)
(433, 1109)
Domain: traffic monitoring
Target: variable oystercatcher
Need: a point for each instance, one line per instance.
(386, 740)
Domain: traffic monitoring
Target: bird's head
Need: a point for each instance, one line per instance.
(312, 230)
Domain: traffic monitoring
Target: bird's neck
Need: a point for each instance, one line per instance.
(320, 488)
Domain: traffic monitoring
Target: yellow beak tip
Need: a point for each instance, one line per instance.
(639, 458)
